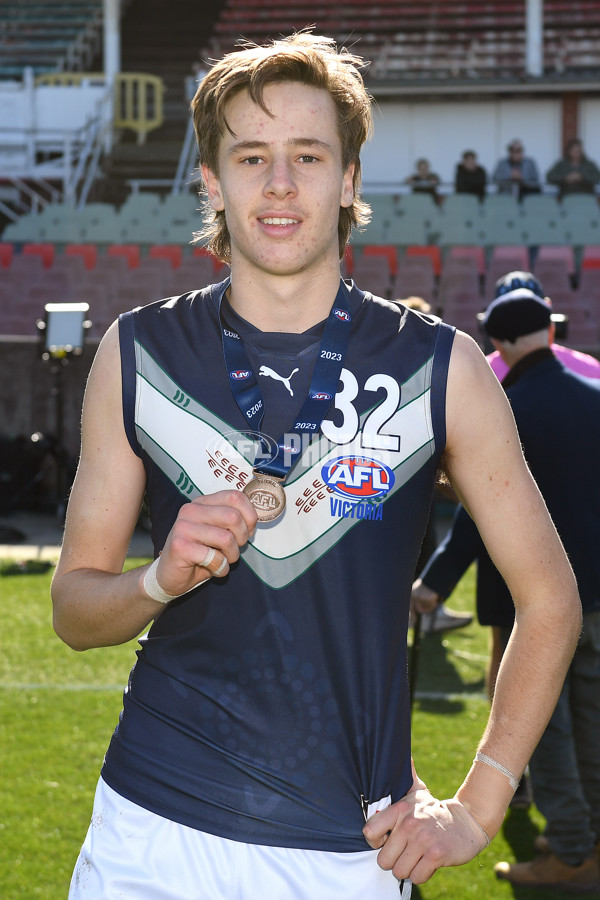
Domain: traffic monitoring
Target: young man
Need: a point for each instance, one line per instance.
(287, 429)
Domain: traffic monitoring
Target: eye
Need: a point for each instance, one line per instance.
(252, 160)
(307, 158)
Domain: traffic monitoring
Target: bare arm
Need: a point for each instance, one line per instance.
(486, 466)
(95, 603)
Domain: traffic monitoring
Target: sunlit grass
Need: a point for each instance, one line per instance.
(58, 709)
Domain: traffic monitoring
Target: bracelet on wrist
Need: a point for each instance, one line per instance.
(480, 826)
(488, 761)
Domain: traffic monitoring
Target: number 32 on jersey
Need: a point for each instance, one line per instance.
(373, 435)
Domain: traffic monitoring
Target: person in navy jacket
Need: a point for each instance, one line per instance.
(557, 412)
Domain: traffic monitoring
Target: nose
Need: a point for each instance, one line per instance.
(280, 181)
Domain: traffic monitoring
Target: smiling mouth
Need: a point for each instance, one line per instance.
(273, 220)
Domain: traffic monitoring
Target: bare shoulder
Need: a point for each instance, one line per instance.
(476, 403)
(467, 360)
(106, 367)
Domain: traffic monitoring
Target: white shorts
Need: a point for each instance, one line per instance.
(132, 854)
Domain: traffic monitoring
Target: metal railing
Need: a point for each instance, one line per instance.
(138, 97)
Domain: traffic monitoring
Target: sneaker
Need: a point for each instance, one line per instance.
(443, 619)
(548, 871)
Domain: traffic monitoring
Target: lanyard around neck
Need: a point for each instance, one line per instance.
(321, 392)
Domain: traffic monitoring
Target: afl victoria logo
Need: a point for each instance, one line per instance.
(240, 374)
(320, 395)
(358, 477)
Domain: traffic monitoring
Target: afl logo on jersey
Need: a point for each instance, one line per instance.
(358, 477)
(240, 374)
(320, 395)
(342, 315)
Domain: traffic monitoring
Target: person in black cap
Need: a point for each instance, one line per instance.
(516, 312)
(579, 362)
(558, 418)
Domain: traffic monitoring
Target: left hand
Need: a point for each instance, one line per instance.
(423, 599)
(419, 834)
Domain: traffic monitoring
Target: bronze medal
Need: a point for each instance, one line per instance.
(267, 496)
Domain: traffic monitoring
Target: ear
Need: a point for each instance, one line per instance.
(213, 189)
(347, 198)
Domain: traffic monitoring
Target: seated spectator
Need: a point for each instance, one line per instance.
(517, 174)
(424, 180)
(574, 173)
(470, 178)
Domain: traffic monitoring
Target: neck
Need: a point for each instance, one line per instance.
(523, 346)
(287, 304)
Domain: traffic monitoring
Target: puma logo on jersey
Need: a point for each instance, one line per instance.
(270, 373)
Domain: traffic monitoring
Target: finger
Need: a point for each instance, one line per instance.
(390, 855)
(230, 499)
(379, 825)
(210, 524)
(418, 873)
(410, 853)
(197, 546)
(216, 563)
(191, 555)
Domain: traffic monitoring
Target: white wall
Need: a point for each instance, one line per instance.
(441, 131)
(34, 118)
(589, 127)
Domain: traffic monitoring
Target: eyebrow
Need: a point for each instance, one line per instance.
(308, 142)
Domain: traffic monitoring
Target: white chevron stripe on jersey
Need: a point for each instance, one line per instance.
(201, 454)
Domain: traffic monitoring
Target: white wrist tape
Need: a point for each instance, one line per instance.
(153, 588)
(482, 757)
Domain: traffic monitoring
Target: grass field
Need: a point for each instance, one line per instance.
(58, 709)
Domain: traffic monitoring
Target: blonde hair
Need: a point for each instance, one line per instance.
(309, 59)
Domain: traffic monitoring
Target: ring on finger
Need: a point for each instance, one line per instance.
(222, 567)
(210, 555)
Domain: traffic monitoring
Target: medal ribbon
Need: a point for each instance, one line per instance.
(321, 392)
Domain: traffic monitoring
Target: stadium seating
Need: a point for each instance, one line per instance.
(49, 36)
(458, 283)
(419, 39)
(374, 272)
(451, 255)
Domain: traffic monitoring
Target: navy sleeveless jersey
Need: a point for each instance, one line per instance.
(271, 706)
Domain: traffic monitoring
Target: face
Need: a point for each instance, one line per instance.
(281, 181)
(516, 151)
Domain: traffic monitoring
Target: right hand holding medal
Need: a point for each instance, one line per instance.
(205, 540)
